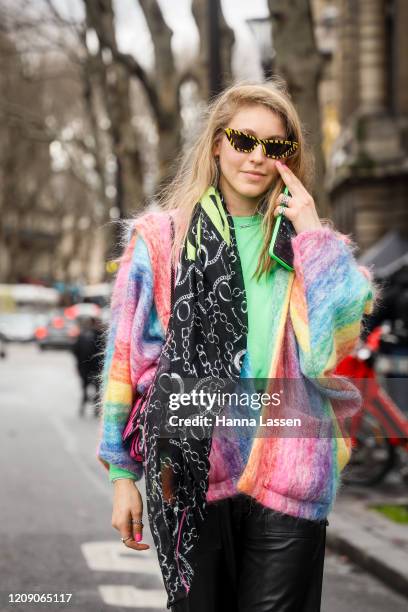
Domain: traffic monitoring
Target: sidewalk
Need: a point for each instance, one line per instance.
(367, 537)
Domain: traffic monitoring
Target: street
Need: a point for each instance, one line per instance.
(55, 515)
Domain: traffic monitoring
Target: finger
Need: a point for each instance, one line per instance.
(289, 213)
(290, 179)
(136, 546)
(126, 532)
(129, 541)
(282, 199)
(137, 526)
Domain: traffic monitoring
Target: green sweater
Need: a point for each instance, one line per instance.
(249, 236)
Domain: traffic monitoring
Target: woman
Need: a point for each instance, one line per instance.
(238, 518)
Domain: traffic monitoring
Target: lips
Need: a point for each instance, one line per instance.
(253, 173)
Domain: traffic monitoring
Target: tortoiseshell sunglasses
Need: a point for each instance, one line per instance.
(274, 148)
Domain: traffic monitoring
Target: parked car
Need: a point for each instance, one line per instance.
(82, 311)
(62, 329)
(20, 326)
(59, 332)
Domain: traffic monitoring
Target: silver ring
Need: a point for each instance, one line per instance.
(282, 210)
(285, 199)
(137, 522)
(126, 539)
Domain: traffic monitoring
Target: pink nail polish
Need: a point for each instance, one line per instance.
(138, 537)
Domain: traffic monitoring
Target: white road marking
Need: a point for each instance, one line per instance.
(114, 557)
(132, 597)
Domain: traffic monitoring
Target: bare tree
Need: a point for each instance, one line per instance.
(24, 162)
(38, 128)
(104, 74)
(223, 39)
(299, 62)
(92, 164)
(161, 88)
(162, 85)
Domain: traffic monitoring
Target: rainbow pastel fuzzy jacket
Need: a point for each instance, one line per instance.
(316, 321)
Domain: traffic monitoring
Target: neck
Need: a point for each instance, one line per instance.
(237, 204)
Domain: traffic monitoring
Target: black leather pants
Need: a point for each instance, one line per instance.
(253, 559)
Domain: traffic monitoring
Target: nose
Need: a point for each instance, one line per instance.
(257, 154)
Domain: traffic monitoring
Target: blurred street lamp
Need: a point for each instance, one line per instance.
(261, 28)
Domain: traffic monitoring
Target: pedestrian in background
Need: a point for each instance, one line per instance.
(89, 350)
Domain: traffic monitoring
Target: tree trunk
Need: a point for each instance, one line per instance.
(224, 39)
(299, 62)
(166, 79)
(114, 81)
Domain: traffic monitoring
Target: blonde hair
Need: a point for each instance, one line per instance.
(196, 169)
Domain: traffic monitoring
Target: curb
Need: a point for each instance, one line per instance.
(387, 562)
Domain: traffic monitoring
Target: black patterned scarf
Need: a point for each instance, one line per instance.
(204, 346)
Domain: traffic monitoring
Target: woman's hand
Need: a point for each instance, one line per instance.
(128, 506)
(301, 209)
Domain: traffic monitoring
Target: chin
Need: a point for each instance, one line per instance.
(250, 191)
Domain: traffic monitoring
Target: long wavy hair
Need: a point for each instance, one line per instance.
(196, 168)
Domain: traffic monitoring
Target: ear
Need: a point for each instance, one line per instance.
(216, 147)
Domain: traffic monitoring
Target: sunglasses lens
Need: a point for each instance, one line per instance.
(278, 149)
(274, 149)
(242, 142)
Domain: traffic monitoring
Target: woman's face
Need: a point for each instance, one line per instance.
(249, 175)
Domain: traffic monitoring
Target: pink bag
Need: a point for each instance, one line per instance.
(133, 432)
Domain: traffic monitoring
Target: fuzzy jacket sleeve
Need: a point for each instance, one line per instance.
(331, 294)
(126, 361)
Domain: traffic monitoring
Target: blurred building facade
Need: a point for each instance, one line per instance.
(364, 93)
